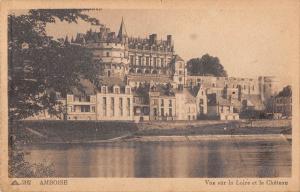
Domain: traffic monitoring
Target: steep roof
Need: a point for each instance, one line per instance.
(213, 99)
(178, 58)
(122, 31)
(189, 97)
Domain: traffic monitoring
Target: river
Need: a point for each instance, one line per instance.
(204, 158)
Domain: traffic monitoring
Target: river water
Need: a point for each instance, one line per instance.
(203, 158)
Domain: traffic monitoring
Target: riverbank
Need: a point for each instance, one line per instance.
(27, 132)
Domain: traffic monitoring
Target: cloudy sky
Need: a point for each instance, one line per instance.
(249, 41)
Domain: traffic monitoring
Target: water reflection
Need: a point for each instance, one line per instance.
(225, 158)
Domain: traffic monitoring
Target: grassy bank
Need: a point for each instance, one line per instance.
(83, 131)
(209, 127)
(69, 131)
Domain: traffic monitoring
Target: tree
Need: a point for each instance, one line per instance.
(206, 65)
(38, 65)
(285, 92)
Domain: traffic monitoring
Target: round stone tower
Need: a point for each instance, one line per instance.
(268, 87)
(110, 51)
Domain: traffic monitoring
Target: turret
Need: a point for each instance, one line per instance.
(122, 35)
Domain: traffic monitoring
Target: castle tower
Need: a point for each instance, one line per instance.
(268, 87)
(179, 70)
(110, 52)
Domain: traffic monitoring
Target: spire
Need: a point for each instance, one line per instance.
(122, 31)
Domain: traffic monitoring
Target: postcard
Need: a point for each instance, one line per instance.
(150, 95)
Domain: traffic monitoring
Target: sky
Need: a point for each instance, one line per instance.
(249, 41)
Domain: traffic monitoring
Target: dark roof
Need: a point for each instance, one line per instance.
(163, 90)
(111, 81)
(85, 87)
(212, 100)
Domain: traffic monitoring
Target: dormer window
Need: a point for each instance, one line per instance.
(117, 90)
(104, 89)
(127, 90)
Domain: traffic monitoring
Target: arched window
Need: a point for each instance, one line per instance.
(131, 70)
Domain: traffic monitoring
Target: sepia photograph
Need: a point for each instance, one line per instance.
(205, 93)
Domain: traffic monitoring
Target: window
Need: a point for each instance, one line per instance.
(170, 103)
(201, 101)
(140, 60)
(85, 108)
(112, 106)
(104, 89)
(162, 62)
(170, 112)
(127, 90)
(117, 90)
(131, 60)
(104, 106)
(162, 103)
(201, 110)
(107, 54)
(88, 98)
(154, 111)
(147, 61)
(162, 112)
(121, 106)
(128, 106)
(154, 61)
(93, 109)
(155, 102)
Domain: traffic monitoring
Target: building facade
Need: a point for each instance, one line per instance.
(115, 103)
(155, 83)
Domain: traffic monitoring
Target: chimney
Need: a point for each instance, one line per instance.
(153, 38)
(169, 39)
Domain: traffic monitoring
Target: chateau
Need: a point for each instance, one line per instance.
(144, 79)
